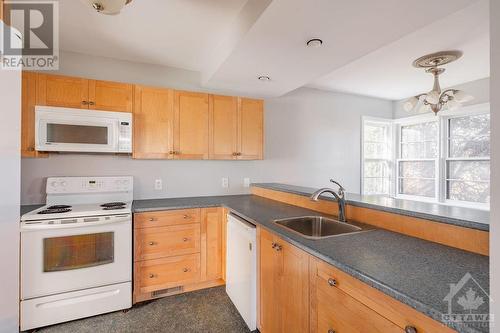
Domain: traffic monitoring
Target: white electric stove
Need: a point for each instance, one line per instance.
(76, 251)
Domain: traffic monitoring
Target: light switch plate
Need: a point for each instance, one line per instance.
(158, 184)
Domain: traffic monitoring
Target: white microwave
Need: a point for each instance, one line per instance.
(75, 130)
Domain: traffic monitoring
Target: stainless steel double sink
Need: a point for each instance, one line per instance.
(319, 227)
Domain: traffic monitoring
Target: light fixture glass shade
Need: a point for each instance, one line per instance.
(410, 103)
(108, 7)
(452, 104)
(462, 97)
(432, 97)
(422, 108)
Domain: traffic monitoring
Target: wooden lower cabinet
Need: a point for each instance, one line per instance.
(283, 285)
(177, 251)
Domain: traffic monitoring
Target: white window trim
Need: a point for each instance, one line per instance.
(442, 119)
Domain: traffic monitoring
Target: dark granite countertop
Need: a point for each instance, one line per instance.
(413, 271)
(460, 216)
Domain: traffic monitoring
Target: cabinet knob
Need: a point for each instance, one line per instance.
(171, 152)
(85, 103)
(410, 329)
(331, 331)
(186, 216)
(91, 103)
(31, 148)
(238, 154)
(332, 282)
(151, 276)
(152, 219)
(185, 270)
(152, 243)
(185, 239)
(235, 154)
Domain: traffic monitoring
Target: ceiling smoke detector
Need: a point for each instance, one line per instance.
(108, 7)
(264, 78)
(315, 43)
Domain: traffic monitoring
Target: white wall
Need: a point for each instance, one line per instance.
(10, 95)
(310, 135)
(480, 89)
(314, 135)
(495, 161)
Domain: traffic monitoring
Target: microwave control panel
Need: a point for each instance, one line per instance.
(125, 137)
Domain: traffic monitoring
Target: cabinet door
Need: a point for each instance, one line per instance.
(211, 221)
(28, 100)
(110, 96)
(223, 127)
(153, 123)
(191, 125)
(250, 129)
(336, 311)
(63, 91)
(270, 268)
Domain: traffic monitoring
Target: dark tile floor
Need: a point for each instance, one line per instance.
(207, 311)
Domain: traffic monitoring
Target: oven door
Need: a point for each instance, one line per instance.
(61, 258)
(73, 131)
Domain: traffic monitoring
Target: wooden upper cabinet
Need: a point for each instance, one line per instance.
(28, 102)
(284, 286)
(191, 113)
(153, 123)
(223, 127)
(250, 129)
(110, 96)
(63, 91)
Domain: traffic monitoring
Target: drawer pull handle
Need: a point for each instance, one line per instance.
(85, 103)
(186, 216)
(185, 239)
(332, 282)
(152, 219)
(91, 103)
(185, 270)
(410, 329)
(331, 331)
(151, 276)
(152, 243)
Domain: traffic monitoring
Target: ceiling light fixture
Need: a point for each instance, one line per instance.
(108, 7)
(436, 99)
(315, 42)
(264, 78)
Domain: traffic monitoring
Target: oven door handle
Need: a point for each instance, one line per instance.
(114, 220)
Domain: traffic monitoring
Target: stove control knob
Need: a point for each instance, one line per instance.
(63, 183)
(53, 184)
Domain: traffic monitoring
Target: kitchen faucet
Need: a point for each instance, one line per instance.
(340, 196)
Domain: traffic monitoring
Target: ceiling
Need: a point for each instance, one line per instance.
(368, 45)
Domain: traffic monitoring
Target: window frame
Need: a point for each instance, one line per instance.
(441, 160)
(389, 123)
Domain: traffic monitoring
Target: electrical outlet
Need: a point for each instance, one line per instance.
(158, 184)
(225, 182)
(246, 182)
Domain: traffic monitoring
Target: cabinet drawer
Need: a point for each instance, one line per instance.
(151, 275)
(339, 312)
(166, 218)
(158, 242)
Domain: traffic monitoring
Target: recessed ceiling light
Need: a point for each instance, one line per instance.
(315, 42)
(264, 78)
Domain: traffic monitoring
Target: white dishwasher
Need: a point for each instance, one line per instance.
(241, 268)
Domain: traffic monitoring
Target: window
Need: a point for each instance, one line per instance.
(444, 158)
(377, 156)
(416, 165)
(468, 159)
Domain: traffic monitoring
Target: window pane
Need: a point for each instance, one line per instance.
(374, 133)
(376, 185)
(469, 170)
(469, 191)
(420, 187)
(376, 150)
(426, 149)
(419, 132)
(470, 126)
(477, 147)
(376, 169)
(417, 169)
